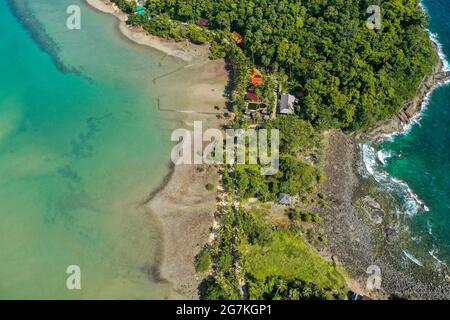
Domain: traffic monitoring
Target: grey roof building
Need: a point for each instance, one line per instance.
(287, 104)
(286, 199)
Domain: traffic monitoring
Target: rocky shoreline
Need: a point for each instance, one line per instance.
(183, 207)
(358, 242)
(412, 108)
(355, 222)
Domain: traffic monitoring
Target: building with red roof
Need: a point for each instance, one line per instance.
(257, 80)
(252, 97)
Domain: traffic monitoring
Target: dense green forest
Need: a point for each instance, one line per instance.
(300, 157)
(351, 76)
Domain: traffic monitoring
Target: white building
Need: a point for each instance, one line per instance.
(286, 199)
(287, 104)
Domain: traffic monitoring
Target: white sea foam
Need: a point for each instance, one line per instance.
(435, 38)
(373, 162)
(430, 228)
(415, 120)
(383, 155)
(412, 258)
(433, 253)
(372, 165)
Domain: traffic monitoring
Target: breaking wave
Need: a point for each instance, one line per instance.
(439, 263)
(412, 258)
(373, 162)
(415, 120)
(435, 38)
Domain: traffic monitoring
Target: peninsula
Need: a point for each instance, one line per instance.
(316, 72)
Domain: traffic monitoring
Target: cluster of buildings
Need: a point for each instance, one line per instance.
(255, 106)
(255, 80)
(286, 105)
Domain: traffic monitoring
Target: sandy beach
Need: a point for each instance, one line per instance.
(182, 50)
(182, 205)
(185, 209)
(186, 213)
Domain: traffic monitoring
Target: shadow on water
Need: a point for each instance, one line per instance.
(37, 31)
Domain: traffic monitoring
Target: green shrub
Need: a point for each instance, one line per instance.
(256, 230)
(203, 263)
(215, 292)
(225, 260)
(316, 218)
(282, 288)
(217, 50)
(222, 289)
(197, 36)
(125, 6)
(294, 214)
(306, 217)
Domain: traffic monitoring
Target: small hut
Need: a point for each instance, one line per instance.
(255, 72)
(257, 80)
(286, 199)
(287, 104)
(250, 96)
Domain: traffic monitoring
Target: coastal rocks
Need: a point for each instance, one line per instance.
(373, 209)
(391, 233)
(335, 260)
(348, 234)
(411, 108)
(357, 241)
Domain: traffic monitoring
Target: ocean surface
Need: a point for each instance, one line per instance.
(416, 163)
(82, 145)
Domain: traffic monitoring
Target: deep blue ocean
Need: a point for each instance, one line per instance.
(77, 152)
(418, 162)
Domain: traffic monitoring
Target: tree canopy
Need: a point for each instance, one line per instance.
(351, 76)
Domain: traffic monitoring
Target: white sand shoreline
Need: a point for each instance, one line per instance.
(182, 206)
(185, 50)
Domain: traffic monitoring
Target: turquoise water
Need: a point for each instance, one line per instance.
(79, 153)
(421, 157)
